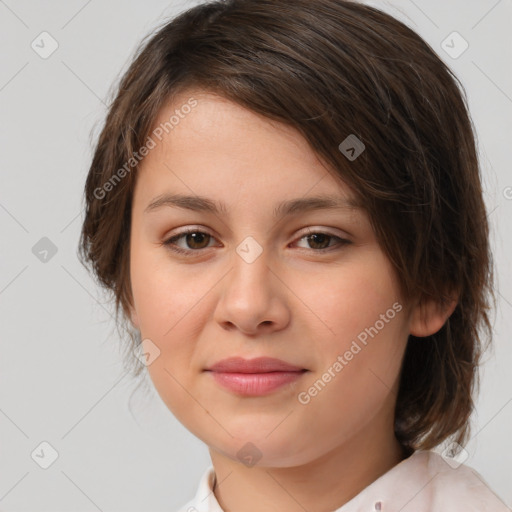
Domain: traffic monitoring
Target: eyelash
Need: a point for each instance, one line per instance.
(170, 243)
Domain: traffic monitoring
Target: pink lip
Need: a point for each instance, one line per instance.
(257, 365)
(254, 377)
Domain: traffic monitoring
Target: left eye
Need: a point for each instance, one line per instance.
(196, 240)
(322, 239)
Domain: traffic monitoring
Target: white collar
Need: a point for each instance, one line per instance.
(424, 482)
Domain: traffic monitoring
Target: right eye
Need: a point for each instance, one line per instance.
(193, 238)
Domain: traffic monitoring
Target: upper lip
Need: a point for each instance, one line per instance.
(257, 365)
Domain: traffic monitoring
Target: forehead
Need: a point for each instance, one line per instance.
(201, 121)
(221, 149)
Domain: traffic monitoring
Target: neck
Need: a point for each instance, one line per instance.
(323, 484)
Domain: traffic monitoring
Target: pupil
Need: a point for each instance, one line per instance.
(193, 237)
(321, 236)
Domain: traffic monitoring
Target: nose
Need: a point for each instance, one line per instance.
(253, 297)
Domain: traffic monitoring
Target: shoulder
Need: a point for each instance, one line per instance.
(455, 486)
(204, 500)
(194, 505)
(188, 507)
(428, 482)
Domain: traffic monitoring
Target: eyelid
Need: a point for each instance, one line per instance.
(311, 230)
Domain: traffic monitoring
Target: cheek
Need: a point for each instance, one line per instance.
(358, 360)
(354, 300)
(355, 384)
(162, 295)
(167, 304)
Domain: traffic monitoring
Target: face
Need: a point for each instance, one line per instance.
(309, 286)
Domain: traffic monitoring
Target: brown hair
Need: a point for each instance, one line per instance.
(330, 68)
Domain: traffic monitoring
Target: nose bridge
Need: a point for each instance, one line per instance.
(250, 266)
(249, 297)
(249, 250)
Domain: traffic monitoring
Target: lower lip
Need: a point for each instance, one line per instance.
(255, 384)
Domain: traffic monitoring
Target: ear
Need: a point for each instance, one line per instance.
(429, 315)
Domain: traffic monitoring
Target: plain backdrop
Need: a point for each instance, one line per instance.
(61, 376)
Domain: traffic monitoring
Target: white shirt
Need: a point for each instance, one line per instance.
(424, 482)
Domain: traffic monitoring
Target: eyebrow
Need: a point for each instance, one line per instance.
(283, 209)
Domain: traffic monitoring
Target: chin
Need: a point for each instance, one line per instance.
(267, 447)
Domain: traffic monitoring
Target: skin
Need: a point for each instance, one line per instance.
(293, 303)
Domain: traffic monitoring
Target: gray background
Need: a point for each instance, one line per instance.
(61, 376)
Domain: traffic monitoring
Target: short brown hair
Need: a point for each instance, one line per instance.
(331, 68)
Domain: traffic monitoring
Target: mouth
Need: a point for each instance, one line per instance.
(254, 377)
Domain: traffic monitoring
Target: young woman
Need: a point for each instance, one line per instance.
(286, 203)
